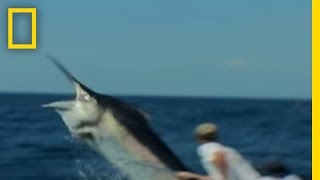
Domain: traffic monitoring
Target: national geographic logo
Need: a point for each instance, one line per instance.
(33, 44)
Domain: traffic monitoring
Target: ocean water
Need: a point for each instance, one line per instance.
(35, 144)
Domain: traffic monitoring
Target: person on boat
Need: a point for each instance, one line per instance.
(221, 162)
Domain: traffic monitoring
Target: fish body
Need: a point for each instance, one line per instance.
(118, 131)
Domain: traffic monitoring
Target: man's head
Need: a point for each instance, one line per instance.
(206, 132)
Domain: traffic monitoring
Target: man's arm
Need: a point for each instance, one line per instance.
(219, 160)
(183, 175)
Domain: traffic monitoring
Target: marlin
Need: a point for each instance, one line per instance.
(118, 131)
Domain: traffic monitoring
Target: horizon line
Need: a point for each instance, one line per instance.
(168, 96)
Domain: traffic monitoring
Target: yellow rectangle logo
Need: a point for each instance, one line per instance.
(33, 12)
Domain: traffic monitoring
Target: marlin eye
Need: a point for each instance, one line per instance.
(85, 97)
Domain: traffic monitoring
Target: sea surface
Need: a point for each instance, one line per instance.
(35, 144)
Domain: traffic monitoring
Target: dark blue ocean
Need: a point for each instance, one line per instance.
(35, 144)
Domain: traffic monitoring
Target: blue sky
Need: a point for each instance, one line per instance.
(199, 48)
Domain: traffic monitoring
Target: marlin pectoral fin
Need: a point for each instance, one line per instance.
(59, 105)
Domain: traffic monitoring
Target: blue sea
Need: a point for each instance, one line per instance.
(35, 144)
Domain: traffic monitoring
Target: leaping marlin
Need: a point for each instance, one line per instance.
(117, 130)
